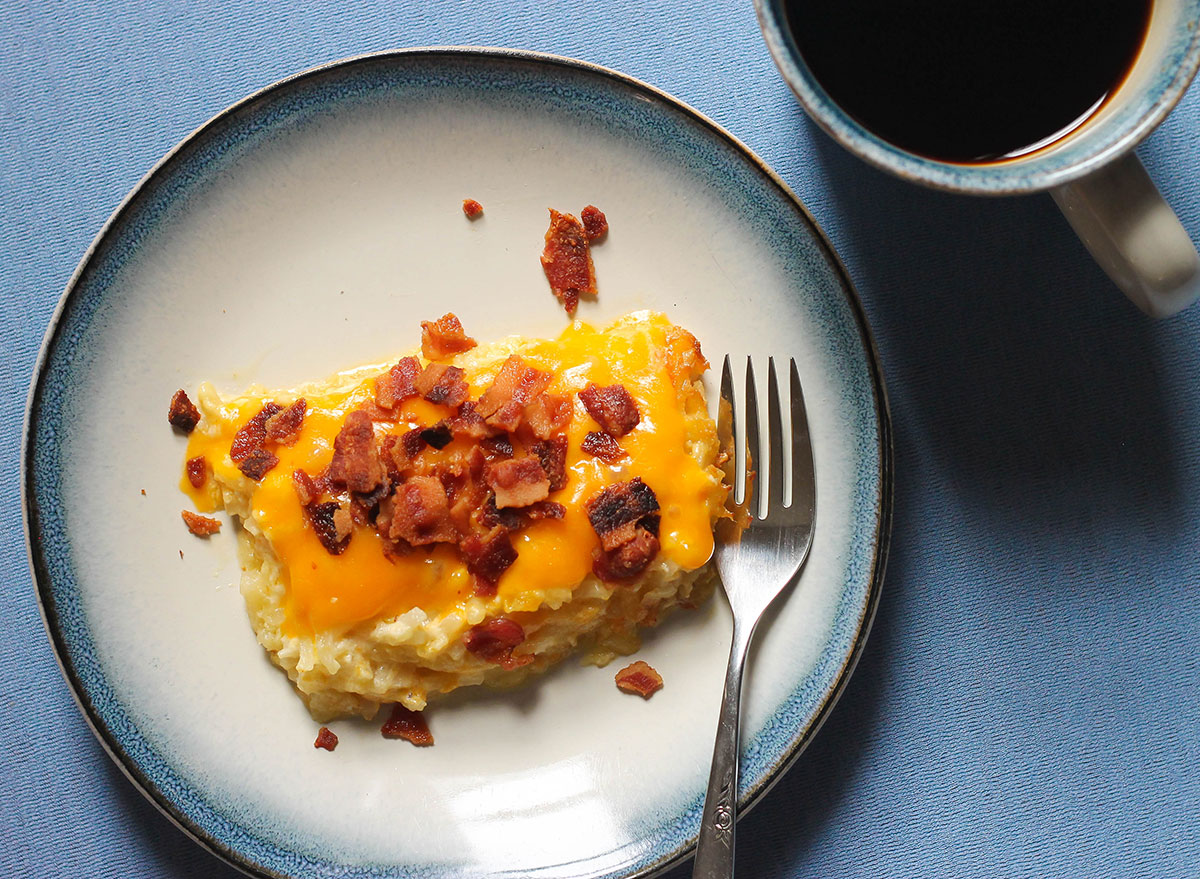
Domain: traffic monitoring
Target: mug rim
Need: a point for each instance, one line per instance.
(992, 178)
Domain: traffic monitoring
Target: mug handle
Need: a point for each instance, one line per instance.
(1134, 235)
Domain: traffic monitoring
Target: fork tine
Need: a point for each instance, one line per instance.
(774, 441)
(754, 454)
(803, 487)
(735, 469)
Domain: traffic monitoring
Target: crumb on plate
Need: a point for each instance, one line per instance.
(201, 526)
(640, 679)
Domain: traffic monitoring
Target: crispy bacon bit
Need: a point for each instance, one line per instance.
(627, 560)
(489, 556)
(514, 519)
(612, 407)
(253, 434)
(468, 496)
(306, 489)
(442, 384)
(201, 526)
(444, 337)
(409, 725)
(595, 224)
(365, 507)
(548, 414)
(493, 641)
(439, 435)
(197, 471)
(396, 385)
(284, 427)
(544, 510)
(461, 470)
(517, 483)
(472, 208)
(257, 463)
(326, 738)
(355, 462)
(405, 447)
(476, 461)
(620, 508)
(420, 513)
(552, 454)
(496, 447)
(392, 456)
(515, 386)
(399, 452)
(639, 678)
(343, 523)
(332, 524)
(603, 446)
(509, 519)
(469, 423)
(567, 260)
(183, 414)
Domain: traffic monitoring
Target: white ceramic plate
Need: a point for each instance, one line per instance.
(310, 228)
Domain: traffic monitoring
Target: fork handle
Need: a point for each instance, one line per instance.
(714, 848)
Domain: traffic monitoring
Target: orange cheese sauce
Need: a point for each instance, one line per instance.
(654, 361)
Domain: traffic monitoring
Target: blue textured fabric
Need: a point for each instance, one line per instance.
(1029, 700)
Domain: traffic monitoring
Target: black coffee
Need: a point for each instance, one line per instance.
(968, 80)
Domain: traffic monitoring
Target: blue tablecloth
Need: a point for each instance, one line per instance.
(1029, 700)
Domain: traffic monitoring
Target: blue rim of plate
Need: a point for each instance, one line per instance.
(45, 532)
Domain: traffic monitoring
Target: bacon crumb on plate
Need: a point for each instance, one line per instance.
(201, 526)
(326, 738)
(183, 413)
(444, 337)
(640, 679)
(404, 723)
(595, 224)
(567, 260)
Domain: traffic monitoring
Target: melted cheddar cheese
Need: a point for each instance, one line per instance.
(658, 364)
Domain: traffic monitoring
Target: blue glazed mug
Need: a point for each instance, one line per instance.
(1092, 172)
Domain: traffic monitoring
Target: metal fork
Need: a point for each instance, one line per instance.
(760, 550)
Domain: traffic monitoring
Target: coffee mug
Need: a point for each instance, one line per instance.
(1090, 169)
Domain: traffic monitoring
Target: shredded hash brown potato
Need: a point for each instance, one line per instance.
(357, 624)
